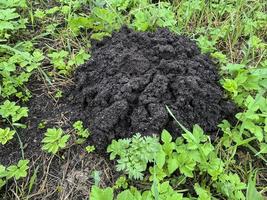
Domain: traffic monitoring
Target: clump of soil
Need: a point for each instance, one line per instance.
(125, 87)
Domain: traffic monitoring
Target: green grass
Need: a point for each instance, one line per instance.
(51, 38)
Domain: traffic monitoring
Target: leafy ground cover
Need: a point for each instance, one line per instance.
(41, 45)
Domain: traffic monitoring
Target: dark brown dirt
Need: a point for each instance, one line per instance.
(132, 76)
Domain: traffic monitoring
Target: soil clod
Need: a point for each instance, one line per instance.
(132, 76)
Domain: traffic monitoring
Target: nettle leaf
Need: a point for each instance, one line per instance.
(252, 83)
(215, 167)
(231, 186)
(195, 138)
(241, 78)
(207, 148)
(251, 104)
(222, 58)
(106, 19)
(186, 164)
(157, 172)
(165, 17)
(172, 165)
(166, 136)
(160, 158)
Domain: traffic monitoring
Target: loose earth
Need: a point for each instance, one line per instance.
(131, 78)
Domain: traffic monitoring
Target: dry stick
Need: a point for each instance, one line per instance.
(15, 194)
(45, 179)
(64, 174)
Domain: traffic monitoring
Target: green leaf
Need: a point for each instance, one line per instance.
(233, 67)
(206, 45)
(231, 86)
(166, 136)
(141, 20)
(203, 194)
(252, 193)
(125, 195)
(18, 171)
(186, 164)
(89, 148)
(6, 135)
(10, 109)
(101, 194)
(207, 148)
(263, 148)
(160, 158)
(172, 165)
(253, 128)
(54, 140)
(8, 14)
(2, 171)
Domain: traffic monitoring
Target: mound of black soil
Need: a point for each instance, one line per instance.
(132, 76)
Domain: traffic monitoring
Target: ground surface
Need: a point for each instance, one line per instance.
(124, 88)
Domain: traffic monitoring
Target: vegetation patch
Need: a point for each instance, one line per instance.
(161, 107)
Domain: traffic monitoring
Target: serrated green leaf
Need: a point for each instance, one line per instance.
(101, 194)
(166, 136)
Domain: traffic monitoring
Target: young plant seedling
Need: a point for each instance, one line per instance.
(14, 171)
(54, 140)
(6, 135)
(82, 132)
(90, 148)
